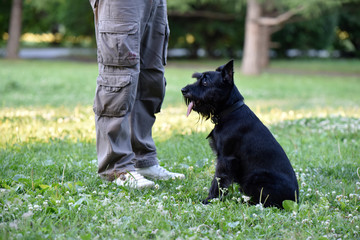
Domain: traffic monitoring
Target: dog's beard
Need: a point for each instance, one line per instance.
(206, 111)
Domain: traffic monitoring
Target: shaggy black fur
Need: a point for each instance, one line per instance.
(247, 153)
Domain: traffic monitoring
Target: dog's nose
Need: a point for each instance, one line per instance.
(184, 90)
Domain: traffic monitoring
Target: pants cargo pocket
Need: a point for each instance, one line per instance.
(118, 43)
(114, 95)
(166, 43)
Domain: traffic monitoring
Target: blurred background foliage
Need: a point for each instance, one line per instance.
(215, 26)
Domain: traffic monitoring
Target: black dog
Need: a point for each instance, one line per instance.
(247, 153)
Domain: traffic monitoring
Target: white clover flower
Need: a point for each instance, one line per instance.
(246, 198)
(205, 189)
(157, 186)
(165, 198)
(259, 206)
(67, 192)
(215, 200)
(70, 204)
(179, 187)
(27, 214)
(160, 206)
(13, 225)
(37, 207)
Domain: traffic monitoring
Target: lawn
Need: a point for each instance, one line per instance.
(50, 189)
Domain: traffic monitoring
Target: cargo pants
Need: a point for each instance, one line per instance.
(132, 38)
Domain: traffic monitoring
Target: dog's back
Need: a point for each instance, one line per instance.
(259, 164)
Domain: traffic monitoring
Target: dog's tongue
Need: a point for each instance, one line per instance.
(191, 104)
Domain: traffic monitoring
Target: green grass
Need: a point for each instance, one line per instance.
(50, 189)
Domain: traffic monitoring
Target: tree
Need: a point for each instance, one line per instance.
(213, 25)
(316, 33)
(14, 29)
(5, 11)
(348, 34)
(264, 17)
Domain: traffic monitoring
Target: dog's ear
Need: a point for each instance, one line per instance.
(227, 71)
(197, 75)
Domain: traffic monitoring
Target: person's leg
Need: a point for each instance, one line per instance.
(118, 41)
(143, 117)
(150, 92)
(151, 86)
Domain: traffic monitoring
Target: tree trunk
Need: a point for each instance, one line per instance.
(264, 47)
(14, 29)
(258, 30)
(251, 56)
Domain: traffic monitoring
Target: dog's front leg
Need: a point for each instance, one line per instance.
(220, 183)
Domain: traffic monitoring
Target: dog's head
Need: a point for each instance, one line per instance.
(211, 90)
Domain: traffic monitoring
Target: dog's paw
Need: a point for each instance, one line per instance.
(205, 201)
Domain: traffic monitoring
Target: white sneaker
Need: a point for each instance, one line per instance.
(158, 172)
(134, 180)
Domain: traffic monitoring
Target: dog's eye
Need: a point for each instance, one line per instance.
(204, 81)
